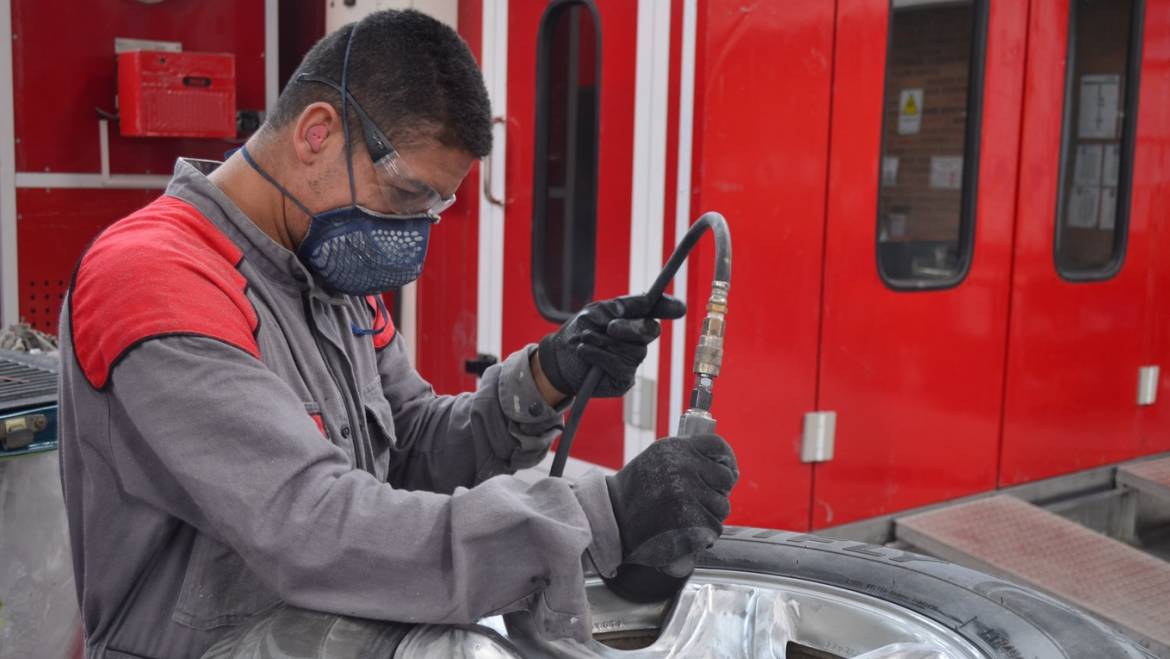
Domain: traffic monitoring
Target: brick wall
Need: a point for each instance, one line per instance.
(929, 50)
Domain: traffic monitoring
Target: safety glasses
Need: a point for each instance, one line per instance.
(404, 191)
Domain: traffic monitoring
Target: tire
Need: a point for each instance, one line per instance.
(996, 617)
(1000, 618)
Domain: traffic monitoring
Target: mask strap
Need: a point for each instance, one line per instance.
(376, 329)
(268, 177)
(345, 115)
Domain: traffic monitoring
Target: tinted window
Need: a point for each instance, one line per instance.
(1097, 151)
(565, 168)
(929, 158)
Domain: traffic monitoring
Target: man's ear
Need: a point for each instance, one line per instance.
(318, 124)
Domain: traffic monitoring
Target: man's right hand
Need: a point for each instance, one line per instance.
(670, 501)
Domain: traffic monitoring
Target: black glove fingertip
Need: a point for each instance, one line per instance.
(669, 307)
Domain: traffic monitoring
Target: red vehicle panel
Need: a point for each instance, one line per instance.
(1074, 347)
(914, 376)
(761, 137)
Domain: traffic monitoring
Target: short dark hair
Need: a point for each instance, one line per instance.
(412, 74)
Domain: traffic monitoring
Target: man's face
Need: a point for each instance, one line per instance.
(421, 165)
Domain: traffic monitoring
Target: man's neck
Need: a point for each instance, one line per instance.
(260, 201)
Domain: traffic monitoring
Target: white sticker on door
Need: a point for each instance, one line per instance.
(889, 171)
(1087, 168)
(1112, 163)
(946, 172)
(1099, 106)
(1108, 208)
(910, 112)
(1083, 201)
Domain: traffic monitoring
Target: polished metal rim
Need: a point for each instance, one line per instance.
(723, 613)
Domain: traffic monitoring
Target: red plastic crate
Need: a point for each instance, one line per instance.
(167, 94)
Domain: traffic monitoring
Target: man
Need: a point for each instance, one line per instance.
(240, 426)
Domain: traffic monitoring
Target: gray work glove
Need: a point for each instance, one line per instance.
(611, 335)
(670, 501)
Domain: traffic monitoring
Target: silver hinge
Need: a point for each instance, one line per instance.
(1147, 385)
(819, 436)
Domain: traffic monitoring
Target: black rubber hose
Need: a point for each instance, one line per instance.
(708, 221)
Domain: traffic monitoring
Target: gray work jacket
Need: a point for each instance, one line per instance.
(229, 441)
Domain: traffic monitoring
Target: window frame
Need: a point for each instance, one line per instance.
(544, 305)
(968, 205)
(1128, 147)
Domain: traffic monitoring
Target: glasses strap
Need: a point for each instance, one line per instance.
(345, 114)
(273, 181)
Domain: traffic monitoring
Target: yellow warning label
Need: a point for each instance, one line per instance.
(910, 111)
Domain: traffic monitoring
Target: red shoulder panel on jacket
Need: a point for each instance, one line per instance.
(163, 270)
(383, 320)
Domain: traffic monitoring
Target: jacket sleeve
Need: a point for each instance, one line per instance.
(444, 442)
(231, 451)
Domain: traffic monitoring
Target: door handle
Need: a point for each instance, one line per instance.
(488, 174)
(480, 364)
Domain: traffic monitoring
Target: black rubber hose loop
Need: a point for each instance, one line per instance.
(708, 221)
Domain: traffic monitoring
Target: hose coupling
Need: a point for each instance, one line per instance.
(709, 352)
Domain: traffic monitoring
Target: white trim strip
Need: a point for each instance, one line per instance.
(52, 180)
(490, 269)
(649, 196)
(408, 324)
(682, 203)
(104, 146)
(9, 273)
(271, 53)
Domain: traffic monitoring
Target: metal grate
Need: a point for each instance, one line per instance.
(26, 378)
(1004, 535)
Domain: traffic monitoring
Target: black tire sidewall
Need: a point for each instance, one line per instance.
(998, 617)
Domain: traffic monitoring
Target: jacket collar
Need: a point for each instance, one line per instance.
(190, 183)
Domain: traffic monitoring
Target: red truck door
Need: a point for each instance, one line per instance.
(1088, 183)
(922, 186)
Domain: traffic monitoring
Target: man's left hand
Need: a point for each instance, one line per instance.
(611, 335)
